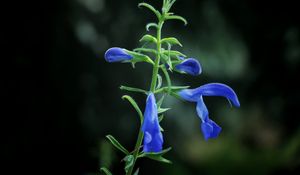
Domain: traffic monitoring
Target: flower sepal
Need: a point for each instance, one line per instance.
(158, 156)
(138, 57)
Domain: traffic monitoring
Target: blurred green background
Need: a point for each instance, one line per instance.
(64, 98)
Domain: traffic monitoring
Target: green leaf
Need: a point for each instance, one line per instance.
(159, 81)
(179, 87)
(174, 53)
(175, 17)
(161, 117)
(106, 171)
(148, 38)
(167, 5)
(174, 94)
(168, 79)
(169, 62)
(162, 110)
(129, 159)
(161, 129)
(132, 89)
(136, 172)
(151, 25)
(173, 88)
(150, 7)
(160, 101)
(135, 106)
(166, 90)
(157, 156)
(117, 144)
(138, 57)
(171, 2)
(146, 50)
(171, 40)
(166, 60)
(159, 108)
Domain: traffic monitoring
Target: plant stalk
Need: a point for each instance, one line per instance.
(152, 89)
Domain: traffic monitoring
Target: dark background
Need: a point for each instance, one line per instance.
(61, 98)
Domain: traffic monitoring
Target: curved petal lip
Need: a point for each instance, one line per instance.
(190, 66)
(210, 129)
(210, 89)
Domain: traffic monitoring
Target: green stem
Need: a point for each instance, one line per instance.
(152, 89)
(136, 150)
(157, 60)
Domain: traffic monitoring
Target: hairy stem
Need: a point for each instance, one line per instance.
(157, 60)
(152, 89)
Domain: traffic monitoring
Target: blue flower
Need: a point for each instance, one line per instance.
(116, 54)
(153, 138)
(209, 128)
(190, 66)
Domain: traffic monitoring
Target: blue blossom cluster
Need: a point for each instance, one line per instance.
(153, 139)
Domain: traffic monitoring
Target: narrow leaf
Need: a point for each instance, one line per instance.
(175, 95)
(138, 57)
(157, 156)
(136, 107)
(106, 171)
(148, 38)
(150, 7)
(132, 89)
(175, 17)
(137, 171)
(163, 152)
(172, 41)
(160, 101)
(166, 59)
(168, 79)
(179, 87)
(146, 50)
(173, 53)
(159, 81)
(117, 144)
(161, 129)
(162, 110)
(169, 62)
(173, 88)
(129, 159)
(151, 25)
(161, 117)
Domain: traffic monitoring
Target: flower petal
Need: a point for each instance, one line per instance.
(190, 66)
(147, 137)
(153, 138)
(207, 129)
(210, 129)
(116, 54)
(216, 129)
(218, 89)
(202, 110)
(188, 95)
(211, 89)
